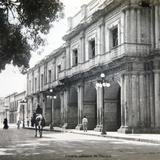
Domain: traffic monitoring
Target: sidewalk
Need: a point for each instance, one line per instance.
(150, 138)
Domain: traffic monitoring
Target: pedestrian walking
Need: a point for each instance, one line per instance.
(18, 124)
(85, 123)
(5, 123)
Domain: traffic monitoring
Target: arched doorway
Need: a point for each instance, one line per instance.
(72, 115)
(112, 107)
(90, 104)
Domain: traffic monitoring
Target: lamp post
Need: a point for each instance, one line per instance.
(52, 98)
(103, 83)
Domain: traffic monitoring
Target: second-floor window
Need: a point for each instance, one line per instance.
(114, 37)
(49, 76)
(75, 57)
(92, 48)
(59, 68)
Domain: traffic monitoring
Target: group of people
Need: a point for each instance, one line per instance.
(38, 114)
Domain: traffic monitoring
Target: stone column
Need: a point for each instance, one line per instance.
(62, 108)
(152, 109)
(133, 112)
(80, 105)
(65, 101)
(122, 102)
(148, 118)
(122, 105)
(157, 97)
(127, 101)
(127, 104)
(142, 99)
(99, 109)
(52, 112)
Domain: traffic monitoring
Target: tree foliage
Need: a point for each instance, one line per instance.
(22, 25)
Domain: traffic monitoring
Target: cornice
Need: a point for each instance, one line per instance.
(96, 16)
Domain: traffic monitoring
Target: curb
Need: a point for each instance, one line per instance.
(122, 138)
(107, 136)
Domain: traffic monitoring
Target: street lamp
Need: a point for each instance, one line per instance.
(52, 98)
(103, 83)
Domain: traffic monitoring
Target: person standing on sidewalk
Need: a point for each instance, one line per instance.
(85, 123)
(18, 124)
(5, 123)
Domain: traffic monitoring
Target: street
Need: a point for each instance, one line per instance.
(21, 144)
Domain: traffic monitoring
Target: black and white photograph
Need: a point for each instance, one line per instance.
(79, 79)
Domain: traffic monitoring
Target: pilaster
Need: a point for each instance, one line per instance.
(99, 109)
(80, 89)
(82, 47)
(127, 25)
(157, 98)
(65, 96)
(152, 104)
(138, 25)
(102, 39)
(157, 26)
(62, 108)
(67, 55)
(133, 26)
(127, 107)
(142, 100)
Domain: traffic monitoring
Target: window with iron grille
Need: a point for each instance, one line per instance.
(75, 57)
(114, 36)
(49, 76)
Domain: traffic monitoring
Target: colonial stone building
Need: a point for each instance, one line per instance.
(13, 107)
(120, 38)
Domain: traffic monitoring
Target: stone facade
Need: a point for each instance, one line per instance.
(118, 38)
(12, 108)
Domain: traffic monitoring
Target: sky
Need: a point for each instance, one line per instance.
(11, 80)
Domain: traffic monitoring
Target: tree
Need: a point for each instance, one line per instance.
(22, 26)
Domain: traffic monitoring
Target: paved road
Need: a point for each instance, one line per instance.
(22, 145)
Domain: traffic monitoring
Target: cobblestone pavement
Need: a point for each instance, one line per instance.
(22, 145)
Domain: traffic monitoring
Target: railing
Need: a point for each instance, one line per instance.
(129, 49)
